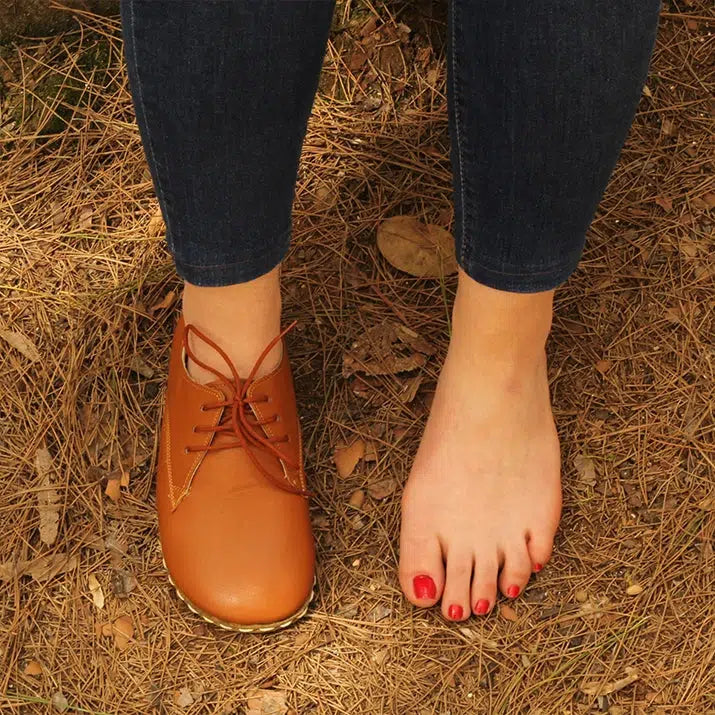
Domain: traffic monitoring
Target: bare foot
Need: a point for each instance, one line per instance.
(483, 500)
(242, 319)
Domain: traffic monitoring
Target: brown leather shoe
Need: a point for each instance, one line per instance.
(231, 494)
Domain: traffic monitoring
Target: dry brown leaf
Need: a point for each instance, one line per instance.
(585, 468)
(156, 225)
(266, 702)
(472, 635)
(42, 568)
(409, 389)
(370, 452)
(603, 366)
(59, 702)
(508, 613)
(22, 344)
(665, 203)
(634, 589)
(422, 250)
(382, 488)
(123, 583)
(138, 365)
(32, 668)
(709, 200)
(57, 215)
(183, 698)
(166, 302)
(113, 489)
(346, 457)
(95, 589)
(707, 504)
(85, 217)
(386, 349)
(123, 630)
(595, 688)
(47, 498)
(357, 499)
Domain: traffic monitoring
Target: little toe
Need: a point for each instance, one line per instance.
(484, 585)
(455, 599)
(539, 547)
(516, 570)
(421, 571)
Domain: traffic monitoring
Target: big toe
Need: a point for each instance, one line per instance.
(421, 570)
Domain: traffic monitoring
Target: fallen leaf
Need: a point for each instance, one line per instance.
(42, 568)
(581, 596)
(123, 630)
(409, 389)
(32, 668)
(47, 498)
(634, 589)
(96, 590)
(166, 302)
(603, 366)
(382, 488)
(647, 91)
(667, 127)
(595, 688)
(347, 457)
(422, 250)
(138, 365)
(183, 698)
(585, 468)
(123, 583)
(266, 702)
(378, 613)
(508, 613)
(22, 344)
(370, 452)
(156, 225)
(709, 200)
(58, 214)
(707, 504)
(85, 217)
(113, 490)
(59, 702)
(665, 203)
(525, 660)
(386, 349)
(472, 635)
(357, 499)
(380, 656)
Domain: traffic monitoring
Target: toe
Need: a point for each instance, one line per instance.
(421, 571)
(539, 547)
(516, 570)
(455, 600)
(484, 584)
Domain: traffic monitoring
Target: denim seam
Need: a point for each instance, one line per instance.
(458, 137)
(150, 144)
(524, 271)
(244, 261)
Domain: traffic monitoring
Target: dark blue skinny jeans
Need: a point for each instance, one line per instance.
(541, 96)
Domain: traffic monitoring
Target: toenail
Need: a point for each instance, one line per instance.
(512, 591)
(424, 587)
(455, 612)
(482, 607)
(537, 568)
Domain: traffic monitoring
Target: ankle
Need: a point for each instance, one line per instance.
(242, 319)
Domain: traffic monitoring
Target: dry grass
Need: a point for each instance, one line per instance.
(632, 367)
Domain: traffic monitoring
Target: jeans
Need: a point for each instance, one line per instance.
(541, 96)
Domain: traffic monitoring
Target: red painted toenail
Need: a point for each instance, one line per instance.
(455, 612)
(482, 607)
(537, 568)
(424, 587)
(512, 591)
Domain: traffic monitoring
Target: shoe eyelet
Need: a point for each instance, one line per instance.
(277, 419)
(193, 429)
(186, 450)
(203, 408)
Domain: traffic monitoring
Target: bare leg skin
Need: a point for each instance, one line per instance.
(483, 500)
(241, 318)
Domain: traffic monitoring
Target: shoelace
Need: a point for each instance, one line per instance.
(236, 420)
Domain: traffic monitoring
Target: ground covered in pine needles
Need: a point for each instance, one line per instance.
(621, 620)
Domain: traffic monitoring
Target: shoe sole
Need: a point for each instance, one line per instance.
(243, 627)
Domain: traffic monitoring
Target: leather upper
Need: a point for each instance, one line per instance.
(237, 543)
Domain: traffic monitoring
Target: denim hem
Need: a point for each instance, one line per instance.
(231, 273)
(521, 282)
